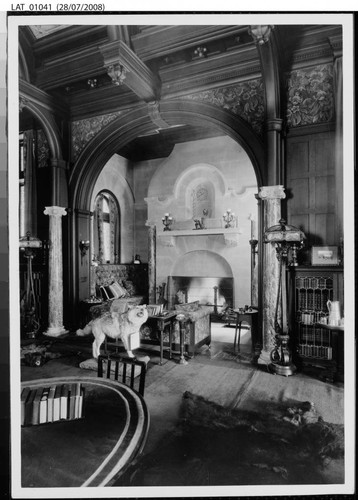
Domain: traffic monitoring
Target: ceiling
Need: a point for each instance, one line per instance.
(70, 64)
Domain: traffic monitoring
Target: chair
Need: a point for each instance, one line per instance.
(125, 370)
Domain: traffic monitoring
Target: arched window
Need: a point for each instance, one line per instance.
(106, 229)
(203, 200)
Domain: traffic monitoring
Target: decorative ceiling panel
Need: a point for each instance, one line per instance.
(44, 30)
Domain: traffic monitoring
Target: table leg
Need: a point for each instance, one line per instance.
(182, 360)
(161, 331)
(238, 344)
(236, 327)
(170, 339)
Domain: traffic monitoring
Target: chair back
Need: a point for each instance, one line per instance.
(123, 369)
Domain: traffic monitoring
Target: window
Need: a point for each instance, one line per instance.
(106, 229)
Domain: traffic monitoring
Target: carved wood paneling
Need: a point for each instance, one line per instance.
(245, 100)
(311, 184)
(310, 96)
(84, 130)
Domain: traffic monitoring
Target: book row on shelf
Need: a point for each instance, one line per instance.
(315, 351)
(51, 404)
(316, 336)
(307, 317)
(313, 301)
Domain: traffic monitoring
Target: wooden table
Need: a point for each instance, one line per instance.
(162, 321)
(92, 451)
(251, 318)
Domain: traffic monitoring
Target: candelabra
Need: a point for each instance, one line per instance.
(228, 218)
(167, 221)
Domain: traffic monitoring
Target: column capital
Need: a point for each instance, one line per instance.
(55, 211)
(271, 192)
(59, 163)
(274, 124)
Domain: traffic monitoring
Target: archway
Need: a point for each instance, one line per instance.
(137, 122)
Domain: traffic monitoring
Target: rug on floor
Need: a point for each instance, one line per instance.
(214, 445)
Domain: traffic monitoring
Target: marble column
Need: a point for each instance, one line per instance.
(152, 256)
(55, 319)
(271, 196)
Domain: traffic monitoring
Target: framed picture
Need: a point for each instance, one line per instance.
(324, 256)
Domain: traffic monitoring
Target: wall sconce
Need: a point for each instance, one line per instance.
(167, 221)
(84, 246)
(228, 218)
(260, 33)
(117, 72)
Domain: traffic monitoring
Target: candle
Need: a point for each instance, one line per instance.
(166, 215)
(253, 229)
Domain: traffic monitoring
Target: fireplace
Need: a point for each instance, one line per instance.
(214, 291)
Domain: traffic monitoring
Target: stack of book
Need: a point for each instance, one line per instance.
(154, 309)
(51, 404)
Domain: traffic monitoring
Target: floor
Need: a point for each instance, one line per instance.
(217, 373)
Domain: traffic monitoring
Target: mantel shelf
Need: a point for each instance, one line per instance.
(201, 232)
(229, 236)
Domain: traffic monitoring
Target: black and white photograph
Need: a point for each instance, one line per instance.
(181, 227)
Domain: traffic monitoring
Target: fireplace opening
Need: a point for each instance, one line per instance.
(210, 291)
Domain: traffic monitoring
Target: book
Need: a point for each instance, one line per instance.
(77, 400)
(56, 404)
(24, 395)
(43, 406)
(36, 406)
(28, 407)
(81, 402)
(50, 403)
(72, 401)
(64, 406)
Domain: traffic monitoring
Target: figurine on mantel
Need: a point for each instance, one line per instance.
(199, 223)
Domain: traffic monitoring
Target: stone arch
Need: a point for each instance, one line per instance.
(129, 125)
(220, 267)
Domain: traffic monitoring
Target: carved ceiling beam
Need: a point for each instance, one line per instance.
(124, 66)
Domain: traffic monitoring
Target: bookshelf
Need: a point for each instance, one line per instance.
(314, 346)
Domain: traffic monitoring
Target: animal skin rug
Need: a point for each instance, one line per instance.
(213, 445)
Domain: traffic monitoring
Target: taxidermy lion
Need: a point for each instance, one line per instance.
(114, 325)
